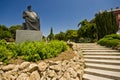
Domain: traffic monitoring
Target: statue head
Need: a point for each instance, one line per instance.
(29, 8)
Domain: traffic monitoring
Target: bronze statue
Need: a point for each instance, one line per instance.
(32, 21)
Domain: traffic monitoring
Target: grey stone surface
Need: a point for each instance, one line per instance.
(118, 32)
(28, 35)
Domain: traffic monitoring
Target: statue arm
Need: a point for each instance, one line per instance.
(24, 14)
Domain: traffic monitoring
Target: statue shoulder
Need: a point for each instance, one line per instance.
(24, 12)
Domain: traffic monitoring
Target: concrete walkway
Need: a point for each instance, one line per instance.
(101, 63)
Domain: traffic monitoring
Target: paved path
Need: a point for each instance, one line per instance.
(101, 63)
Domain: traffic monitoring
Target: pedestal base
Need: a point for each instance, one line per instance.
(30, 35)
(118, 32)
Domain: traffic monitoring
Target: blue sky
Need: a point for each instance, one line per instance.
(61, 15)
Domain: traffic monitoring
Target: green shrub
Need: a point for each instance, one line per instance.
(34, 51)
(3, 42)
(31, 51)
(5, 54)
(110, 40)
(53, 48)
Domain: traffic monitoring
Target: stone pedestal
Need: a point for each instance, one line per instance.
(118, 32)
(28, 35)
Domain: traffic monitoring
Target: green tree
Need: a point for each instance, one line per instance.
(105, 24)
(4, 32)
(44, 38)
(87, 30)
(60, 36)
(13, 29)
(3, 27)
(51, 35)
(71, 35)
(83, 23)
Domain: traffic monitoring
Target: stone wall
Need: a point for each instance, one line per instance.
(45, 70)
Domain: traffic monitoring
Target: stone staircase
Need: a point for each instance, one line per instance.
(101, 63)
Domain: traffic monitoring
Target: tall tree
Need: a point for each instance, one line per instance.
(106, 24)
(83, 23)
(51, 35)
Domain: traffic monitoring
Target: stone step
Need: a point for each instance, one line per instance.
(103, 53)
(90, 45)
(99, 50)
(87, 43)
(93, 77)
(103, 73)
(95, 48)
(100, 61)
(102, 57)
(103, 66)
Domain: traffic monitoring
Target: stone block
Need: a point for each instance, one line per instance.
(28, 35)
(118, 32)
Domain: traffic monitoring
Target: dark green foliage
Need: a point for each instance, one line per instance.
(71, 35)
(3, 27)
(4, 32)
(87, 31)
(31, 51)
(13, 29)
(51, 35)
(68, 35)
(60, 36)
(110, 40)
(106, 24)
(103, 24)
(8, 33)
